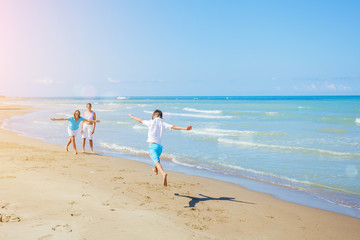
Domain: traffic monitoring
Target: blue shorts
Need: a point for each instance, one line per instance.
(155, 151)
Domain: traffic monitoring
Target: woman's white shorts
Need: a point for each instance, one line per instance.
(72, 132)
(87, 129)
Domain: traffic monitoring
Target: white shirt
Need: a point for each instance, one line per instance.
(156, 129)
(89, 115)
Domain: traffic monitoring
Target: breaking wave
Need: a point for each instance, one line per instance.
(195, 115)
(202, 111)
(126, 149)
(290, 148)
(221, 132)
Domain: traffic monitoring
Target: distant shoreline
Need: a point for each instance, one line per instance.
(121, 98)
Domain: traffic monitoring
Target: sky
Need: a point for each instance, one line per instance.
(87, 48)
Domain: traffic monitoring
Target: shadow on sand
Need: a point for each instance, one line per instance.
(195, 200)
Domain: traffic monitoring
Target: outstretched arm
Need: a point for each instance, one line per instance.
(188, 128)
(92, 121)
(58, 119)
(135, 118)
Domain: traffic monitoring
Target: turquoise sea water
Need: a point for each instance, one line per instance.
(301, 149)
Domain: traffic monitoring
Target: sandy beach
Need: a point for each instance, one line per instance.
(47, 193)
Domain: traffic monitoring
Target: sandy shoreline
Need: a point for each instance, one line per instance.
(47, 193)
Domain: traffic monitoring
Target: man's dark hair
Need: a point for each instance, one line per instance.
(157, 113)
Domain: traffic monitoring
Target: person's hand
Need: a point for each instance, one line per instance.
(97, 121)
(92, 132)
(52, 119)
(188, 128)
(130, 115)
(81, 131)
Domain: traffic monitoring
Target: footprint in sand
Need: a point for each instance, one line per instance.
(197, 227)
(7, 177)
(114, 179)
(75, 214)
(5, 206)
(62, 228)
(9, 218)
(146, 201)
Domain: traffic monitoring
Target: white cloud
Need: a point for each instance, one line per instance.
(112, 80)
(330, 86)
(311, 87)
(273, 78)
(334, 87)
(344, 88)
(323, 87)
(44, 81)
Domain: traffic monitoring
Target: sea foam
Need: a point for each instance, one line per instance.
(121, 123)
(139, 127)
(249, 170)
(202, 111)
(289, 148)
(271, 113)
(221, 132)
(194, 115)
(131, 150)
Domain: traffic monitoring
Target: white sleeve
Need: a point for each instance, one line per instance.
(167, 126)
(147, 122)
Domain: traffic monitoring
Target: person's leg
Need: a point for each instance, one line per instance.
(156, 171)
(154, 156)
(67, 145)
(163, 173)
(83, 144)
(84, 136)
(155, 151)
(73, 143)
(91, 145)
(89, 129)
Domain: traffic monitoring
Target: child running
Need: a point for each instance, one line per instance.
(156, 128)
(73, 127)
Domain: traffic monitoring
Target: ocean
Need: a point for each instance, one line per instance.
(300, 149)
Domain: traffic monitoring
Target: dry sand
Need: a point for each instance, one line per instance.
(47, 193)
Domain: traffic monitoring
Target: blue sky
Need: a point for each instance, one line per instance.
(160, 48)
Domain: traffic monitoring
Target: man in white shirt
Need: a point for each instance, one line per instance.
(156, 129)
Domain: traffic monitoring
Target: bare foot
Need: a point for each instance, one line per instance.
(92, 151)
(83, 150)
(67, 148)
(155, 170)
(165, 180)
(75, 152)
